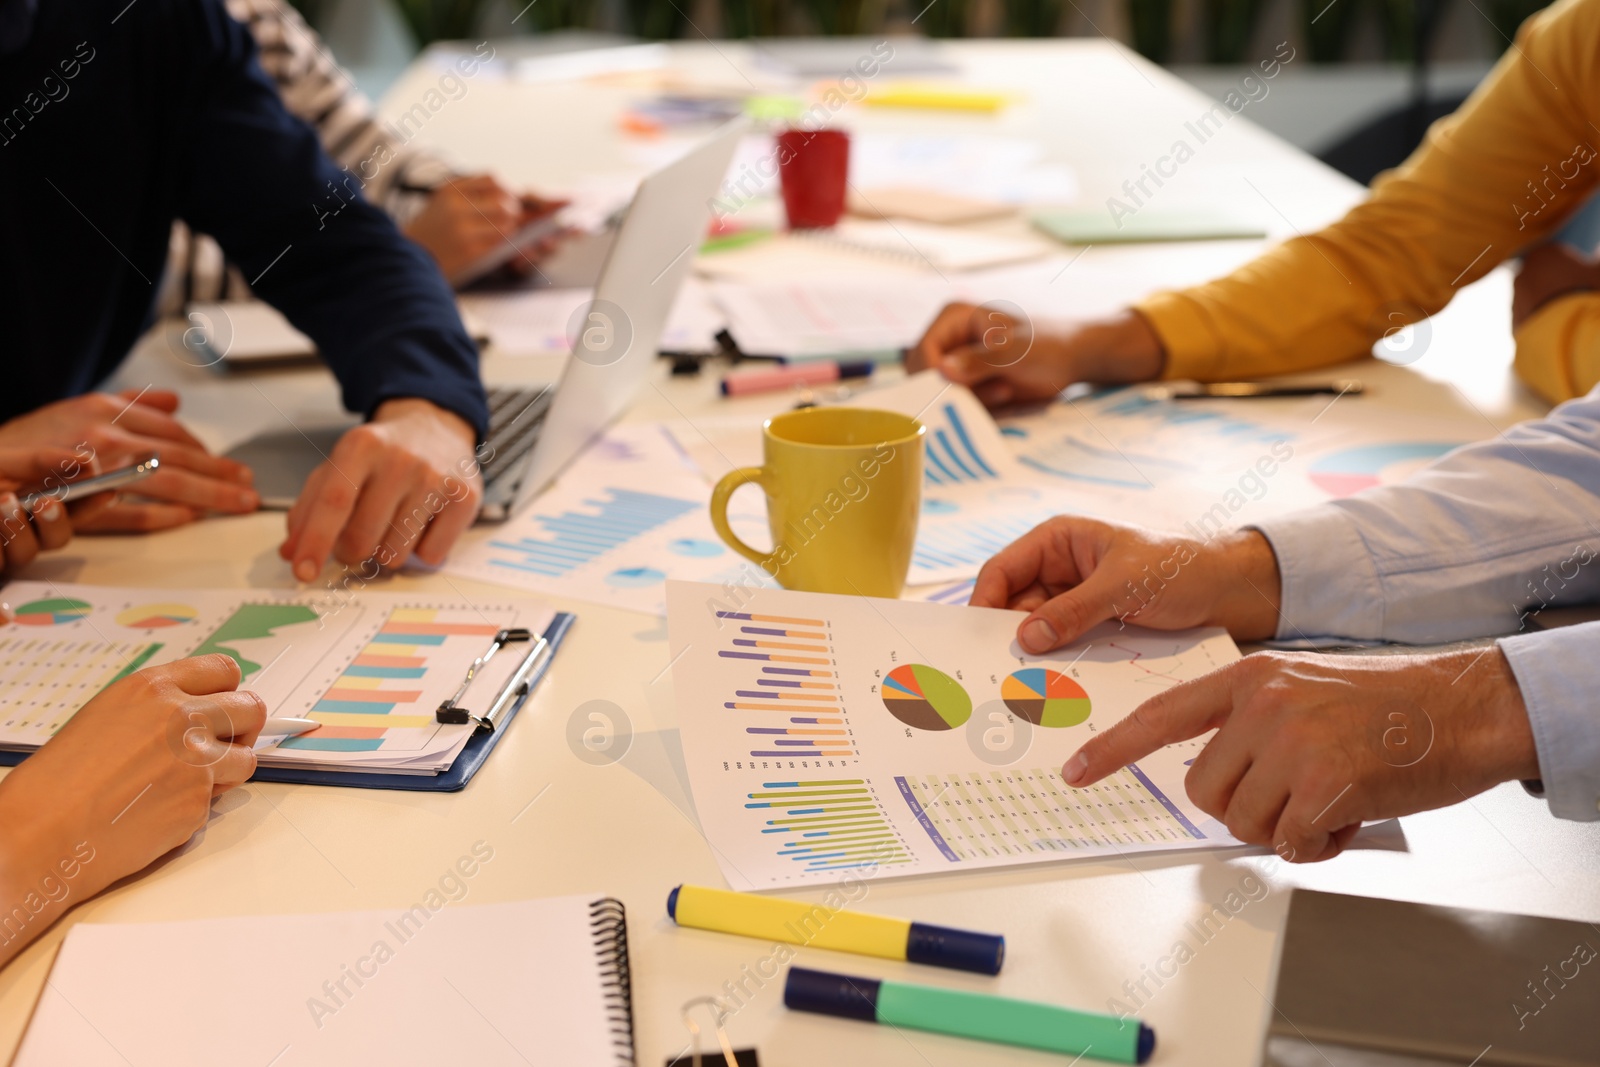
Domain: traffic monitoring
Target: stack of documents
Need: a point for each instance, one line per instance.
(371, 668)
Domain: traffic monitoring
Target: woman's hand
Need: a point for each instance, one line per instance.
(128, 778)
(31, 470)
(1004, 359)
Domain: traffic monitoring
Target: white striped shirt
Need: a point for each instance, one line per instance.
(318, 91)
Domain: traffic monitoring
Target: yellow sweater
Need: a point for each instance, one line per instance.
(1499, 175)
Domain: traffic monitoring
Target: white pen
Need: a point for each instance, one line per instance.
(287, 727)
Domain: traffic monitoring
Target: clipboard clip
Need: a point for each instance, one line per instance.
(452, 713)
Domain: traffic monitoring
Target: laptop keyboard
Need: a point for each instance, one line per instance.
(516, 415)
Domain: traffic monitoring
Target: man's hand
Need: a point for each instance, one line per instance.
(129, 778)
(32, 470)
(1070, 574)
(1550, 271)
(115, 430)
(1309, 746)
(1004, 360)
(406, 483)
(466, 218)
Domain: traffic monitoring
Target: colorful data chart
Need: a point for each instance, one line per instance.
(45, 680)
(1006, 813)
(828, 825)
(925, 698)
(574, 538)
(1348, 472)
(55, 611)
(969, 542)
(157, 616)
(792, 697)
(383, 688)
(255, 623)
(949, 455)
(1045, 697)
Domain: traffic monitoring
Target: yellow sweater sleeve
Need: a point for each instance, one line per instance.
(1500, 174)
(1558, 348)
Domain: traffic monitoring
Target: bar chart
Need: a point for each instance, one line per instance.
(1004, 813)
(792, 693)
(387, 695)
(827, 825)
(46, 680)
(950, 455)
(575, 537)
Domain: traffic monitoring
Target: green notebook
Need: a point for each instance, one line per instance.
(1096, 227)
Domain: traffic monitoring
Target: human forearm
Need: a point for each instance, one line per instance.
(1497, 176)
(1467, 547)
(45, 869)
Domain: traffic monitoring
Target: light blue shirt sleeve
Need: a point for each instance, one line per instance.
(1472, 546)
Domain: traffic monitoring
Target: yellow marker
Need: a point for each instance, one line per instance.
(800, 923)
(937, 98)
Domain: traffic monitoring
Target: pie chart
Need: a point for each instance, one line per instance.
(1045, 697)
(925, 698)
(156, 616)
(52, 612)
(1347, 472)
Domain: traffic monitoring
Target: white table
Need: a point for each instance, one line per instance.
(557, 825)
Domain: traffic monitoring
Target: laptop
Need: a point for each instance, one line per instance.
(534, 433)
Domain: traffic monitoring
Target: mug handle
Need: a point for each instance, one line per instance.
(724, 490)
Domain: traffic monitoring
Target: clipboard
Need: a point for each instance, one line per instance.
(455, 779)
(471, 757)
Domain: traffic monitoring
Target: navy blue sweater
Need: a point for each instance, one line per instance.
(116, 119)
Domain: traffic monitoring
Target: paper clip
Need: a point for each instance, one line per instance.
(516, 687)
(729, 1057)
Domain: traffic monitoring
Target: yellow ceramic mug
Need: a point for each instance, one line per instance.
(843, 489)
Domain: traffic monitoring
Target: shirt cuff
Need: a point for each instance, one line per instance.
(1559, 673)
(1186, 336)
(1330, 585)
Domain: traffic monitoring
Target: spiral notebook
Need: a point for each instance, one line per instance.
(536, 981)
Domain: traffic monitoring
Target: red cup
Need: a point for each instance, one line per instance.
(813, 166)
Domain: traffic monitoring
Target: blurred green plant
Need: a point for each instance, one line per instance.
(658, 20)
(442, 20)
(1507, 15)
(752, 18)
(941, 18)
(1032, 18)
(1150, 22)
(842, 18)
(311, 10)
(1327, 28)
(1228, 26)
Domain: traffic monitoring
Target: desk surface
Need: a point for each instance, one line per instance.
(1078, 930)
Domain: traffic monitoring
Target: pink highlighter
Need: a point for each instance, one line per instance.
(773, 379)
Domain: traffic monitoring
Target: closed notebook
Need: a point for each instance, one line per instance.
(1383, 983)
(1099, 228)
(537, 981)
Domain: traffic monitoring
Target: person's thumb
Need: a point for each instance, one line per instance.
(1065, 618)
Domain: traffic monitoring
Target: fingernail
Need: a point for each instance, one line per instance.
(50, 510)
(249, 500)
(1074, 770)
(306, 571)
(1038, 636)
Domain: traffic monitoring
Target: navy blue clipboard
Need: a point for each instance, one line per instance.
(451, 781)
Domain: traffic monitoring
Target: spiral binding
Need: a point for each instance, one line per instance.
(608, 923)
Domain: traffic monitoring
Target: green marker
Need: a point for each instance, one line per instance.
(975, 1015)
